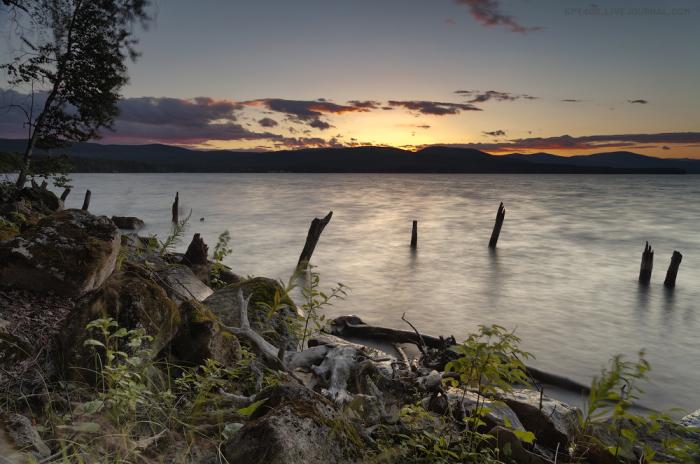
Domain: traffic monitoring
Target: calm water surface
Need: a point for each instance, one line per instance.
(564, 275)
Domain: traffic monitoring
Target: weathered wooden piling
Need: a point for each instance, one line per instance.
(647, 265)
(65, 194)
(672, 272)
(500, 216)
(197, 252)
(86, 201)
(176, 208)
(414, 235)
(44, 185)
(315, 229)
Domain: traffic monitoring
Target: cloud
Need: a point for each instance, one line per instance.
(480, 96)
(195, 112)
(640, 101)
(365, 104)
(572, 100)
(665, 147)
(309, 112)
(433, 108)
(488, 13)
(268, 122)
(587, 142)
(496, 133)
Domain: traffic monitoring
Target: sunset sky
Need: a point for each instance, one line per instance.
(562, 76)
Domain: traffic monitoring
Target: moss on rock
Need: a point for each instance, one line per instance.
(130, 298)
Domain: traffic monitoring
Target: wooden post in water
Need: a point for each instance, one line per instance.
(414, 235)
(65, 194)
(647, 265)
(317, 226)
(44, 184)
(86, 201)
(500, 216)
(176, 206)
(672, 272)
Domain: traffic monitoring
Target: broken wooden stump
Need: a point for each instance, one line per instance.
(414, 235)
(500, 216)
(44, 185)
(672, 272)
(176, 208)
(86, 201)
(317, 226)
(65, 194)
(196, 253)
(647, 265)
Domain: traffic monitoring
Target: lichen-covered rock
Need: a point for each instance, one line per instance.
(294, 426)
(691, 420)
(133, 300)
(127, 222)
(69, 253)
(19, 440)
(275, 326)
(201, 337)
(181, 284)
(555, 423)
(505, 439)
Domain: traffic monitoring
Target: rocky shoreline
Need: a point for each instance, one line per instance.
(114, 348)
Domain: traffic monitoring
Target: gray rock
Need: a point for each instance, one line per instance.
(127, 222)
(498, 414)
(69, 253)
(556, 423)
(294, 426)
(19, 440)
(692, 419)
(181, 284)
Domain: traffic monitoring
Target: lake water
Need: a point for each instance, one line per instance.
(564, 274)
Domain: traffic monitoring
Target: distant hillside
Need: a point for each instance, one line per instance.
(93, 157)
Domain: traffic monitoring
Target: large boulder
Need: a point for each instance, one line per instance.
(554, 423)
(294, 426)
(68, 253)
(691, 420)
(275, 326)
(133, 300)
(202, 337)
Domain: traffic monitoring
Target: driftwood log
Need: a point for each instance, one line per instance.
(176, 209)
(315, 230)
(86, 200)
(500, 216)
(414, 235)
(647, 265)
(672, 272)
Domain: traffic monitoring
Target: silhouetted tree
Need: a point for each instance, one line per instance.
(73, 62)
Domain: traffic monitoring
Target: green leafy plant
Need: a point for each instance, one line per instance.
(175, 237)
(221, 250)
(315, 300)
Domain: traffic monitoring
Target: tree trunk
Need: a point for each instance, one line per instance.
(500, 216)
(317, 226)
(196, 253)
(647, 265)
(65, 194)
(672, 272)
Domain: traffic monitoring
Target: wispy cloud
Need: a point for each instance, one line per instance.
(481, 96)
(432, 107)
(587, 142)
(639, 101)
(309, 112)
(268, 122)
(496, 133)
(488, 13)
